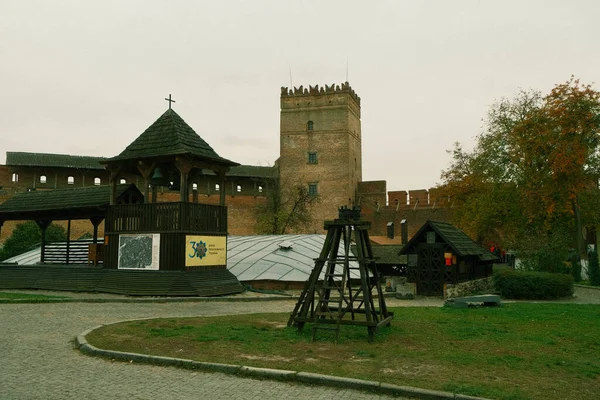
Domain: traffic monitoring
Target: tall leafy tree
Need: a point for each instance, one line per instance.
(534, 169)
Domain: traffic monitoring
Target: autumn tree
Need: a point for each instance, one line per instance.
(533, 171)
(287, 208)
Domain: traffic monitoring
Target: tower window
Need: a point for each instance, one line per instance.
(310, 125)
(15, 178)
(312, 158)
(42, 178)
(217, 187)
(194, 186)
(312, 189)
(260, 189)
(97, 181)
(122, 181)
(239, 188)
(70, 180)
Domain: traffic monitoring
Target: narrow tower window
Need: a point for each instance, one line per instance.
(217, 187)
(70, 180)
(97, 181)
(42, 178)
(15, 178)
(194, 186)
(239, 188)
(309, 125)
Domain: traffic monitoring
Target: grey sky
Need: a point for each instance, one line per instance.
(87, 77)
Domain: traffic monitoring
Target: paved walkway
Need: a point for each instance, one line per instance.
(39, 360)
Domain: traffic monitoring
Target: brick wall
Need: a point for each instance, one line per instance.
(335, 137)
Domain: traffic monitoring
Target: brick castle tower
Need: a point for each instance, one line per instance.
(320, 146)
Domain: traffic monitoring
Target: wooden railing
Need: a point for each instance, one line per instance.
(73, 252)
(166, 217)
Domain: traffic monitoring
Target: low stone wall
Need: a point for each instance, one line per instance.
(404, 290)
(468, 288)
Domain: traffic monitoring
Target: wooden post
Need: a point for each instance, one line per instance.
(221, 176)
(96, 221)
(43, 226)
(184, 168)
(146, 170)
(113, 177)
(154, 193)
(68, 239)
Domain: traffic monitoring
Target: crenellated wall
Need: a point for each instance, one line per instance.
(415, 206)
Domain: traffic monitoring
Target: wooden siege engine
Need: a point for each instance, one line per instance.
(337, 299)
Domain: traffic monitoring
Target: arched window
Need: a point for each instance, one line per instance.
(260, 189)
(42, 178)
(97, 181)
(122, 181)
(70, 180)
(239, 188)
(310, 125)
(217, 187)
(194, 186)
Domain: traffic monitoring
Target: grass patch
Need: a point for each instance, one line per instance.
(519, 351)
(25, 296)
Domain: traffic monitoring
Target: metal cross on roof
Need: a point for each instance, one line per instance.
(170, 101)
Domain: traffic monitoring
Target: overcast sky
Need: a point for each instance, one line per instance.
(88, 77)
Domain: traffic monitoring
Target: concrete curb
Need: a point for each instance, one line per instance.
(153, 300)
(587, 287)
(268, 373)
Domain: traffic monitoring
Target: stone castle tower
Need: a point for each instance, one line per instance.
(320, 145)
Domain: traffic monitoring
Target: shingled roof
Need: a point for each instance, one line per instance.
(170, 135)
(40, 203)
(460, 243)
(23, 159)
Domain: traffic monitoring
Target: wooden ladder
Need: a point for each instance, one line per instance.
(326, 317)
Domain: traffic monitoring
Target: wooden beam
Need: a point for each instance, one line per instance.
(43, 224)
(184, 166)
(146, 170)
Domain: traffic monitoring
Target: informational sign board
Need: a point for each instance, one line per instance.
(202, 251)
(139, 251)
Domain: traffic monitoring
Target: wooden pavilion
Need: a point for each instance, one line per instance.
(439, 253)
(160, 248)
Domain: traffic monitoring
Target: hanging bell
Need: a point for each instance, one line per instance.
(158, 178)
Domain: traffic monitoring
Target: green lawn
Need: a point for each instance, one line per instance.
(519, 351)
(24, 296)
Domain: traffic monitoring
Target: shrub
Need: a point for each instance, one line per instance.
(28, 235)
(594, 269)
(545, 252)
(533, 285)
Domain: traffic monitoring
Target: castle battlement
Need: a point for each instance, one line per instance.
(319, 90)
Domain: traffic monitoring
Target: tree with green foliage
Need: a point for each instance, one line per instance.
(28, 235)
(594, 268)
(532, 175)
(287, 209)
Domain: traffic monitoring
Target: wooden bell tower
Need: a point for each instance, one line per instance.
(337, 299)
